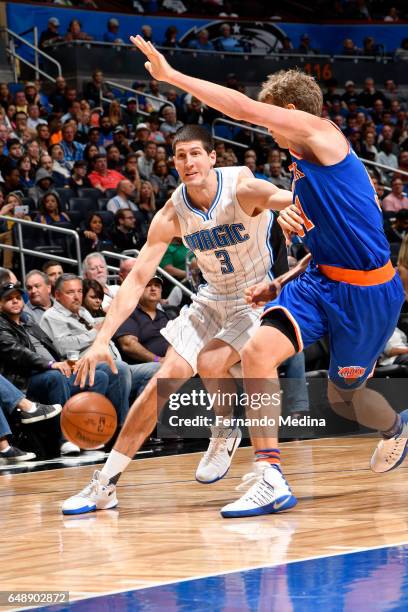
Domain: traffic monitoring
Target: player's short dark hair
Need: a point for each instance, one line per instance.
(194, 132)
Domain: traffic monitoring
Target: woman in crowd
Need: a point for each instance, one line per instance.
(26, 172)
(50, 210)
(12, 207)
(92, 298)
(147, 207)
(33, 152)
(162, 181)
(115, 114)
(94, 237)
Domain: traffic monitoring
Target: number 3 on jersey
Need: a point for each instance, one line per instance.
(225, 261)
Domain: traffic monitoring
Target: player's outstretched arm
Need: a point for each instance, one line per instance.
(293, 124)
(259, 194)
(163, 229)
(261, 293)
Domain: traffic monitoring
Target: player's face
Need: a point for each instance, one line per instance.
(193, 163)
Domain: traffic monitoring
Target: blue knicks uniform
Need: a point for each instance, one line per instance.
(351, 290)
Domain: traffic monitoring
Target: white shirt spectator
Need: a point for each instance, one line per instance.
(398, 340)
(118, 202)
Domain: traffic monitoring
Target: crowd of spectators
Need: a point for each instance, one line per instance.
(104, 169)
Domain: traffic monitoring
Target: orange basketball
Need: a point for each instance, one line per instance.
(88, 420)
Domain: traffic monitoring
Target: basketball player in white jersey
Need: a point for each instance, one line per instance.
(225, 217)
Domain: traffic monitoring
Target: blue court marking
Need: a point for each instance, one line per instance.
(374, 580)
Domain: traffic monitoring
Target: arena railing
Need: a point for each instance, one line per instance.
(11, 51)
(136, 93)
(43, 255)
(133, 253)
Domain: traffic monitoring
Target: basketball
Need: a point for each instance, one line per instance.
(88, 420)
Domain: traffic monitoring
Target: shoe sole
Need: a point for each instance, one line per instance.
(87, 510)
(27, 421)
(393, 467)
(269, 509)
(226, 472)
(13, 460)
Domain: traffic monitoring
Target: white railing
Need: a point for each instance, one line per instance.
(13, 36)
(40, 226)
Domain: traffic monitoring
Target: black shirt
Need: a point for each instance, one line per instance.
(146, 330)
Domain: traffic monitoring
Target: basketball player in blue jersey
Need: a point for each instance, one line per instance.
(224, 215)
(350, 291)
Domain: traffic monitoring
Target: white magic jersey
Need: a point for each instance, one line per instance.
(233, 250)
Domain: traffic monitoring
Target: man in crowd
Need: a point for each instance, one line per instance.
(125, 189)
(72, 328)
(125, 235)
(146, 161)
(396, 200)
(39, 294)
(53, 270)
(94, 268)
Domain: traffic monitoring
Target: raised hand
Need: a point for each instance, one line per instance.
(85, 367)
(157, 65)
(261, 293)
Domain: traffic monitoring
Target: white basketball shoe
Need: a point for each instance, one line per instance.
(391, 452)
(99, 494)
(269, 493)
(216, 462)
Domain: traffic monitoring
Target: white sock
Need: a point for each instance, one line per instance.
(4, 450)
(32, 409)
(115, 464)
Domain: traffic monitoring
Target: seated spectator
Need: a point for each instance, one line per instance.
(201, 42)
(170, 37)
(11, 178)
(131, 116)
(38, 288)
(226, 42)
(73, 150)
(155, 135)
(78, 179)
(114, 158)
(57, 95)
(147, 206)
(139, 339)
(71, 328)
(34, 118)
(162, 181)
(174, 260)
(33, 152)
(97, 88)
(396, 350)
(92, 298)
(277, 176)
(120, 141)
(349, 48)
(370, 94)
(5, 96)
(131, 172)
(126, 235)
(94, 268)
(94, 237)
(101, 177)
(370, 48)
(14, 403)
(15, 151)
(112, 33)
(74, 32)
(59, 165)
(170, 124)
(90, 152)
(31, 362)
(402, 52)
(386, 157)
(146, 161)
(399, 228)
(121, 200)
(106, 130)
(20, 102)
(43, 184)
(50, 35)
(26, 172)
(43, 137)
(395, 201)
(13, 208)
(304, 46)
(142, 137)
(126, 266)
(153, 105)
(53, 270)
(50, 212)
(147, 33)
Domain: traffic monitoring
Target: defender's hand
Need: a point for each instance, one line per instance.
(290, 221)
(85, 367)
(262, 293)
(157, 65)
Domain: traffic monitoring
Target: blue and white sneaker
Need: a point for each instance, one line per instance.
(98, 495)
(269, 493)
(216, 461)
(391, 452)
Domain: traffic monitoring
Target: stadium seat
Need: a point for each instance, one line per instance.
(82, 205)
(65, 195)
(102, 202)
(107, 217)
(90, 192)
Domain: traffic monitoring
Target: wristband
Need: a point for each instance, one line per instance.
(50, 364)
(156, 359)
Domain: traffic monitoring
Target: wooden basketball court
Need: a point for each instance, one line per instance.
(167, 527)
